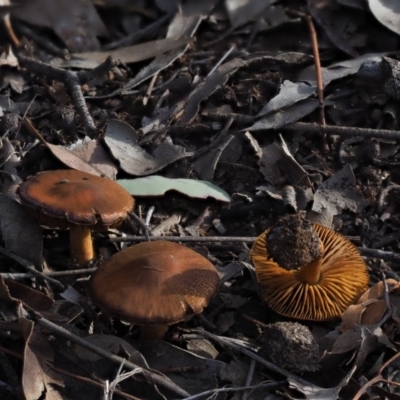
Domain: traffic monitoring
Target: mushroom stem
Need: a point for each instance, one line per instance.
(153, 332)
(80, 239)
(311, 272)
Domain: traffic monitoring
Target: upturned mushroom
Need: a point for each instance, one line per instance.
(317, 289)
(78, 201)
(154, 284)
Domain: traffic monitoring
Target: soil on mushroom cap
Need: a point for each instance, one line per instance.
(292, 242)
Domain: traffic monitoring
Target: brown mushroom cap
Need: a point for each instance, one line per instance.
(343, 278)
(156, 282)
(64, 197)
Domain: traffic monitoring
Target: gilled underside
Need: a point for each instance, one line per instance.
(343, 278)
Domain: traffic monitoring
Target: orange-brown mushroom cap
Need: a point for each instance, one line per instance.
(156, 282)
(343, 278)
(64, 197)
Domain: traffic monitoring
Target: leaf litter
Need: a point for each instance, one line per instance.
(225, 115)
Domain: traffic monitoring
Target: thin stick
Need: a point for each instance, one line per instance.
(78, 377)
(377, 378)
(201, 239)
(150, 89)
(7, 23)
(73, 81)
(141, 223)
(28, 266)
(373, 253)
(158, 379)
(341, 130)
(28, 275)
(320, 83)
(221, 60)
(93, 383)
(249, 378)
(318, 71)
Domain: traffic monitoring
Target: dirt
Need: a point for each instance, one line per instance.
(292, 242)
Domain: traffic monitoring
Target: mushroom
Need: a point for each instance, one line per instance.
(154, 284)
(78, 201)
(320, 290)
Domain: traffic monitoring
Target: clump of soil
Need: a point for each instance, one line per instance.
(291, 346)
(292, 242)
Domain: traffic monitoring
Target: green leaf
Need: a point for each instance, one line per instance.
(158, 185)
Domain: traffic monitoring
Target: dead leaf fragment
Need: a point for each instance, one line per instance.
(371, 307)
(338, 70)
(387, 12)
(91, 151)
(31, 297)
(185, 23)
(278, 165)
(39, 381)
(76, 22)
(289, 94)
(209, 86)
(241, 12)
(122, 141)
(64, 155)
(339, 193)
(8, 58)
(279, 118)
(21, 233)
(128, 55)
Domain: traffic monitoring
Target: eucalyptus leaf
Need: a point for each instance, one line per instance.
(158, 185)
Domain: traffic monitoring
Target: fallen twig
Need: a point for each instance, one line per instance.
(28, 266)
(72, 80)
(378, 378)
(373, 253)
(153, 376)
(341, 130)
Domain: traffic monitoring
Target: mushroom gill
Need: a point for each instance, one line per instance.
(296, 293)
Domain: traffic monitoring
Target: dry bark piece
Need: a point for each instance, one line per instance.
(154, 284)
(78, 201)
(290, 345)
(320, 290)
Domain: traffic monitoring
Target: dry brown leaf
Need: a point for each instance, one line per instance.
(241, 12)
(185, 23)
(93, 152)
(128, 55)
(122, 140)
(76, 22)
(20, 232)
(38, 379)
(377, 291)
(31, 297)
(370, 308)
(64, 155)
